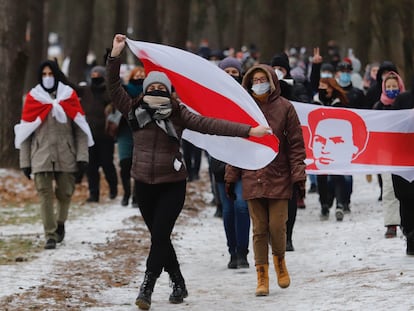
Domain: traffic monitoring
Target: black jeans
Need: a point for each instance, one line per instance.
(404, 192)
(160, 206)
(101, 154)
(335, 188)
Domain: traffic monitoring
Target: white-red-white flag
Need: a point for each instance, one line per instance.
(351, 141)
(209, 91)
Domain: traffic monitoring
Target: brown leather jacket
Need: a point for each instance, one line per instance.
(275, 180)
(157, 157)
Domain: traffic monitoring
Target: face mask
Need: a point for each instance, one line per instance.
(237, 78)
(323, 95)
(158, 93)
(279, 74)
(392, 93)
(344, 79)
(136, 81)
(48, 82)
(261, 88)
(326, 75)
(97, 80)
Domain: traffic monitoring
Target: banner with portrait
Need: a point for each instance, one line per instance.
(353, 141)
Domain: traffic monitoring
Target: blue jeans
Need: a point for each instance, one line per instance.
(236, 220)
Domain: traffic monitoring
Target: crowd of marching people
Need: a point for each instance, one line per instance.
(141, 116)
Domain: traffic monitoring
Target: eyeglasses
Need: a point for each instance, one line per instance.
(259, 80)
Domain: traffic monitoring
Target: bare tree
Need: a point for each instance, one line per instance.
(13, 62)
(405, 11)
(175, 30)
(37, 40)
(270, 27)
(82, 22)
(145, 22)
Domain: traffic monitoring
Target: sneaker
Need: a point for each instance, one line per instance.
(50, 244)
(324, 212)
(289, 246)
(339, 214)
(233, 262)
(391, 232)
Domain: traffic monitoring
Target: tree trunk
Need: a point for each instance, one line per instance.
(82, 23)
(145, 23)
(405, 12)
(176, 23)
(13, 61)
(37, 48)
(363, 38)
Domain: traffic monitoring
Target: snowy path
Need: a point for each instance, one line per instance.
(345, 265)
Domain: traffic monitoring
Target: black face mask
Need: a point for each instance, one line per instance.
(238, 78)
(97, 81)
(323, 95)
(158, 93)
(136, 81)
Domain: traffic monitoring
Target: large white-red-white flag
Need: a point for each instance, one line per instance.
(209, 91)
(352, 141)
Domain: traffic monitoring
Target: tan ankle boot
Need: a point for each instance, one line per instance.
(283, 278)
(262, 280)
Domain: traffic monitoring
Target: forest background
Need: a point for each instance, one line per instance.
(375, 30)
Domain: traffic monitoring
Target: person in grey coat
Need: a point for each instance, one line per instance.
(53, 138)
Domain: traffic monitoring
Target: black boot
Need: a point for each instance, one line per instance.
(60, 231)
(410, 243)
(179, 290)
(143, 300)
(242, 262)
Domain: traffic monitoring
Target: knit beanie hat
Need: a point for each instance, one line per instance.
(100, 70)
(281, 60)
(230, 62)
(327, 67)
(156, 77)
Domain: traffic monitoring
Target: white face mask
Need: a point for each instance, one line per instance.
(326, 75)
(279, 74)
(48, 82)
(261, 88)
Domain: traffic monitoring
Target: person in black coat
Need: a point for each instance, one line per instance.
(404, 190)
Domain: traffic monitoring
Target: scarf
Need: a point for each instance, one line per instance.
(384, 98)
(158, 109)
(38, 104)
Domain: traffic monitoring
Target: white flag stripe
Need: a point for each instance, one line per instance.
(201, 71)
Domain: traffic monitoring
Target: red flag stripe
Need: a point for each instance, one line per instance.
(209, 103)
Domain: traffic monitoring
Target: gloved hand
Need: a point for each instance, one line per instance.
(27, 171)
(229, 187)
(300, 187)
(82, 167)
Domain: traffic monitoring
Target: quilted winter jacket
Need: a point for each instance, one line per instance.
(156, 156)
(275, 180)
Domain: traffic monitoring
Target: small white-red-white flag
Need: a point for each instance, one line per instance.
(209, 91)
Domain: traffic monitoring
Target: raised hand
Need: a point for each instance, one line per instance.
(317, 58)
(118, 45)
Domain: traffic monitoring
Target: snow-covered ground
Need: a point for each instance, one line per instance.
(346, 265)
